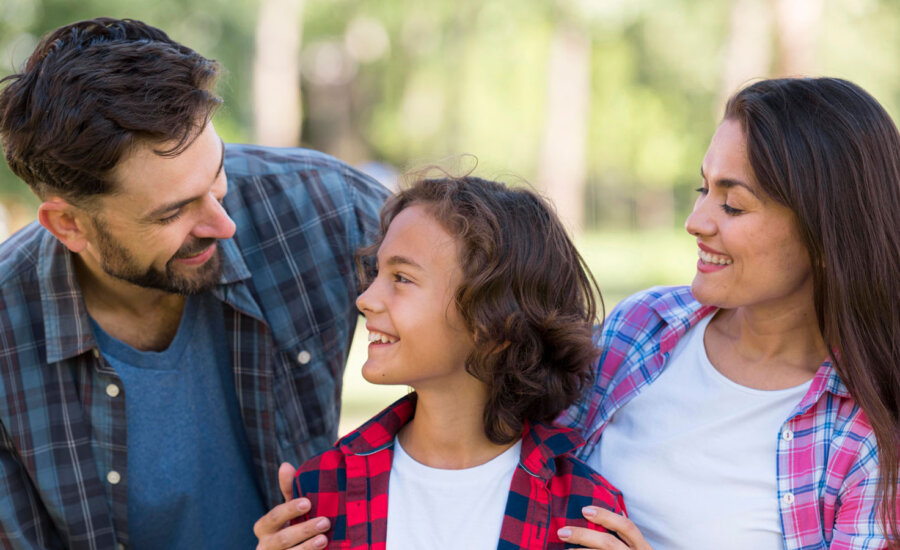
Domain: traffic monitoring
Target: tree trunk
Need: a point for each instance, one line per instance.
(562, 166)
(276, 73)
(748, 54)
(797, 23)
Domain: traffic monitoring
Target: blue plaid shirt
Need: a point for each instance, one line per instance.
(289, 285)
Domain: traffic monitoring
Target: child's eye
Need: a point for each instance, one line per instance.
(398, 278)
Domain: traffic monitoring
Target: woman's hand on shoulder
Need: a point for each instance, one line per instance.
(630, 538)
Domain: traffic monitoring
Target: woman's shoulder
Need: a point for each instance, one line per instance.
(645, 310)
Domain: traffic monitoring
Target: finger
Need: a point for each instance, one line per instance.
(306, 535)
(286, 474)
(624, 527)
(275, 518)
(590, 539)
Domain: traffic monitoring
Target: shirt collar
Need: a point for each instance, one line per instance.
(541, 443)
(680, 311)
(67, 327)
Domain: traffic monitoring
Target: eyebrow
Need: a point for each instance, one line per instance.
(729, 183)
(157, 212)
(402, 260)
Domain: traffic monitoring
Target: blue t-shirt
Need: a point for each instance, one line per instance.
(190, 477)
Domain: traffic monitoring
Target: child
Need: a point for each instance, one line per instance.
(482, 305)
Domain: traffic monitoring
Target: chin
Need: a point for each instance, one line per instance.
(706, 295)
(373, 376)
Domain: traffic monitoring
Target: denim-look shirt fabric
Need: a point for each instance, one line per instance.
(288, 287)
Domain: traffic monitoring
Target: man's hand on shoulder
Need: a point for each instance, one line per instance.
(274, 530)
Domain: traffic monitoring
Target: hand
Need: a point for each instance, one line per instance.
(273, 530)
(631, 537)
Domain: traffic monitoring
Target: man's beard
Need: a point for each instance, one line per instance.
(116, 261)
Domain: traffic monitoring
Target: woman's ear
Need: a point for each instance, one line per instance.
(65, 221)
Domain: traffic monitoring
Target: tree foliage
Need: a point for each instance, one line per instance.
(408, 83)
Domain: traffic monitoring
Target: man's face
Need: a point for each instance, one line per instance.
(161, 227)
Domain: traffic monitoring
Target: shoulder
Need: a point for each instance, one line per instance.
(19, 254)
(292, 165)
(320, 474)
(641, 316)
(582, 486)
(652, 303)
(20, 286)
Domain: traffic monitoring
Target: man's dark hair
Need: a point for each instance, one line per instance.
(526, 296)
(93, 90)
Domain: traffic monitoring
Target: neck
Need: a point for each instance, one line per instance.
(785, 340)
(448, 430)
(144, 318)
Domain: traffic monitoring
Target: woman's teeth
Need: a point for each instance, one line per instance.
(713, 258)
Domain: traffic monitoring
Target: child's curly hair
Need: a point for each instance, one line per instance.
(527, 296)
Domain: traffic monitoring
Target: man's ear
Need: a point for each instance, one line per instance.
(65, 221)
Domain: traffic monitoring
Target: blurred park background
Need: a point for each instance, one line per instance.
(605, 106)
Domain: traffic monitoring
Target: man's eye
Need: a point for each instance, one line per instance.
(170, 219)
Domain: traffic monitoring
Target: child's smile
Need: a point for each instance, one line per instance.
(416, 334)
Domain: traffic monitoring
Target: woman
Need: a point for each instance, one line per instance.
(761, 407)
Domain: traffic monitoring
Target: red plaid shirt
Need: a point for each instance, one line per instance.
(349, 485)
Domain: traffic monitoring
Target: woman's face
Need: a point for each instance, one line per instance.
(750, 249)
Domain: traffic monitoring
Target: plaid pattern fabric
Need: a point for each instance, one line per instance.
(349, 485)
(288, 286)
(827, 463)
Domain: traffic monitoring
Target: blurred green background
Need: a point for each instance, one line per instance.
(606, 106)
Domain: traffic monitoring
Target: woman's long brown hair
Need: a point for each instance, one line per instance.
(827, 150)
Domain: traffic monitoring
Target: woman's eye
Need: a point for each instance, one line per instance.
(702, 190)
(731, 211)
(398, 278)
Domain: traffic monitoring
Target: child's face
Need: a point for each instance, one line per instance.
(416, 334)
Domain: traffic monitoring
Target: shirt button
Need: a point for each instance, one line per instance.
(788, 498)
(787, 435)
(112, 390)
(96, 353)
(304, 357)
(113, 477)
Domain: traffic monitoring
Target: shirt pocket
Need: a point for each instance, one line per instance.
(307, 386)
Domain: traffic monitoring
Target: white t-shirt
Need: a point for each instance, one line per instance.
(694, 455)
(452, 509)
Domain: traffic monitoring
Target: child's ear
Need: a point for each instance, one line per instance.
(65, 221)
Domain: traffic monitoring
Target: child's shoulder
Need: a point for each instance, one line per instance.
(321, 474)
(582, 481)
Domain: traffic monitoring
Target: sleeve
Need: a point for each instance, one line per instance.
(857, 521)
(24, 522)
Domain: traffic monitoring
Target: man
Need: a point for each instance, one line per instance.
(176, 323)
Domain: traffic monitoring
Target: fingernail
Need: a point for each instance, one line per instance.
(322, 524)
(589, 511)
(303, 504)
(564, 533)
(320, 542)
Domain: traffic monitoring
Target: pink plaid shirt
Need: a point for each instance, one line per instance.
(827, 460)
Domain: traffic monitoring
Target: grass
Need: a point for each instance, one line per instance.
(622, 262)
